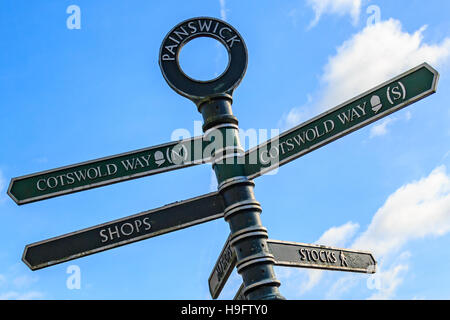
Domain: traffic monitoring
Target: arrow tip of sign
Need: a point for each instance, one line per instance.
(429, 67)
(373, 267)
(10, 194)
(434, 72)
(24, 259)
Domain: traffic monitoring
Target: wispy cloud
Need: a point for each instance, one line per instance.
(339, 7)
(380, 129)
(24, 281)
(374, 55)
(223, 10)
(416, 210)
(389, 280)
(296, 115)
(15, 286)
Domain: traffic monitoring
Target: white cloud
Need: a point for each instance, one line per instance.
(338, 236)
(416, 210)
(374, 55)
(296, 115)
(339, 7)
(333, 237)
(16, 286)
(342, 285)
(389, 281)
(381, 128)
(24, 281)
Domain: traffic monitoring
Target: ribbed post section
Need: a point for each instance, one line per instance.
(242, 210)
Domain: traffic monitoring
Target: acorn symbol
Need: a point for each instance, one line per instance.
(376, 103)
(159, 158)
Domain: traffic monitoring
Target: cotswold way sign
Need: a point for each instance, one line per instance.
(347, 117)
(108, 170)
(248, 247)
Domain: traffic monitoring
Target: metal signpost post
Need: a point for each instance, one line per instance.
(213, 99)
(248, 247)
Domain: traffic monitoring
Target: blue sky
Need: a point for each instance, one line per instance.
(72, 95)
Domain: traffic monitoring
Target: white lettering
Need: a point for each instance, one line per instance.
(37, 185)
(204, 26)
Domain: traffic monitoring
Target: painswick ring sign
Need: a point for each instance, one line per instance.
(188, 30)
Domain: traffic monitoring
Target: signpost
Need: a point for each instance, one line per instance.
(293, 254)
(248, 247)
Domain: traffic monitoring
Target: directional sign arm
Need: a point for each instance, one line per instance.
(222, 269)
(108, 170)
(123, 231)
(347, 117)
(292, 254)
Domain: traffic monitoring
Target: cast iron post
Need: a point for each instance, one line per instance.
(213, 99)
(248, 236)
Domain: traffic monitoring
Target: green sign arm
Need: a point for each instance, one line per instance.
(108, 170)
(144, 225)
(293, 254)
(347, 117)
(222, 269)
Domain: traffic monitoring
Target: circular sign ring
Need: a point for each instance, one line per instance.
(203, 27)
